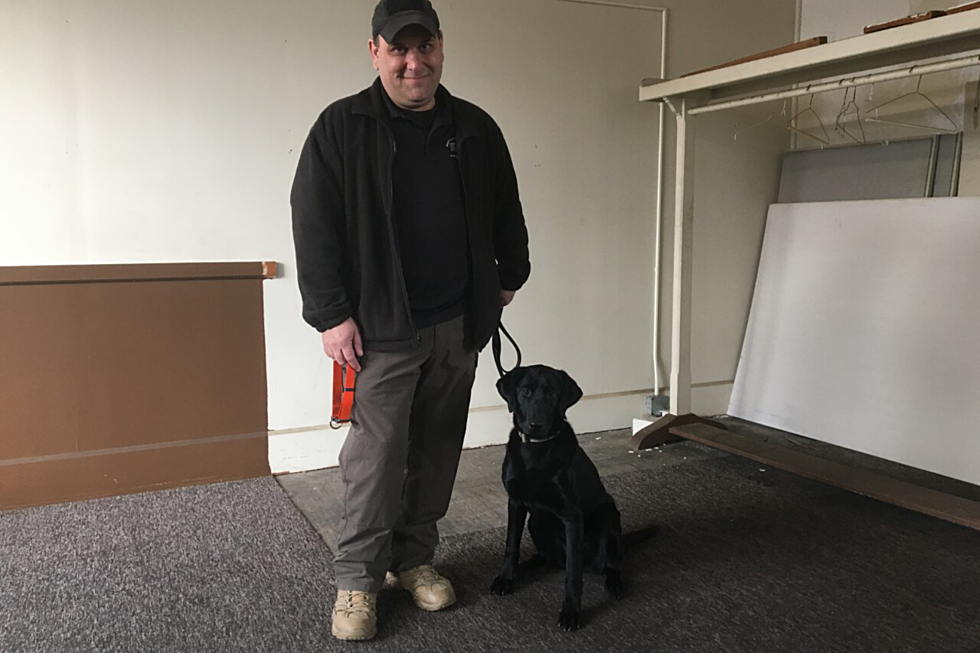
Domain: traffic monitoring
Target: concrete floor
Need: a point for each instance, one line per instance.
(479, 501)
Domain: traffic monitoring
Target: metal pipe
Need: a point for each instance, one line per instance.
(658, 230)
(846, 82)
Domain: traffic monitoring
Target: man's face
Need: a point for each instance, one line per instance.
(410, 67)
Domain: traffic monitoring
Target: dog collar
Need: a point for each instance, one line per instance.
(528, 439)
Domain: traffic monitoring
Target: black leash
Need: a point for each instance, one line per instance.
(496, 349)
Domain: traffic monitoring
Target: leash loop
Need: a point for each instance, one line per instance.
(496, 349)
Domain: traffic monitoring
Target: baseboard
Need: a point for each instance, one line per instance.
(93, 474)
(301, 450)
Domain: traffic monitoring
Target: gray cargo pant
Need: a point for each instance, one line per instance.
(399, 461)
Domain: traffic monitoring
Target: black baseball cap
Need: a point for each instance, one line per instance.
(390, 16)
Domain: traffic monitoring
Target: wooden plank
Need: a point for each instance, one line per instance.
(966, 6)
(793, 47)
(47, 274)
(900, 493)
(908, 20)
(658, 432)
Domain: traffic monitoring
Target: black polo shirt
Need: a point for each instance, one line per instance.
(429, 212)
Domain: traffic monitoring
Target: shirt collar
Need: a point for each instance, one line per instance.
(443, 108)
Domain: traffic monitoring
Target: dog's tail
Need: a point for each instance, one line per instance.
(633, 538)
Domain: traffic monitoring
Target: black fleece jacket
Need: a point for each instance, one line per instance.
(346, 255)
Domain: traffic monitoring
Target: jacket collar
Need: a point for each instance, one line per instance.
(371, 102)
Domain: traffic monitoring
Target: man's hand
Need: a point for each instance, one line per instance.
(507, 296)
(343, 344)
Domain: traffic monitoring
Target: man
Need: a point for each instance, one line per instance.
(409, 239)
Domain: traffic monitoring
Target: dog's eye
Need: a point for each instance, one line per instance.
(525, 392)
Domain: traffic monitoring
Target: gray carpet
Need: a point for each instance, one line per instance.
(746, 561)
(225, 567)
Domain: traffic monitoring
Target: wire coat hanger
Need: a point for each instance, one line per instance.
(840, 123)
(768, 119)
(809, 109)
(952, 129)
(753, 126)
(760, 123)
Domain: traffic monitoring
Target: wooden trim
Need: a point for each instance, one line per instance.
(883, 488)
(793, 47)
(908, 20)
(48, 274)
(270, 269)
(140, 448)
(964, 7)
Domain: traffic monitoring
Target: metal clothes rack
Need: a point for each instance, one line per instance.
(946, 43)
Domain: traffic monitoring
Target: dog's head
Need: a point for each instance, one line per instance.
(538, 396)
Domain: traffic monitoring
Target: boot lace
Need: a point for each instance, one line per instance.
(425, 575)
(357, 603)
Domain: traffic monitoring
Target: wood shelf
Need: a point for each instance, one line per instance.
(953, 34)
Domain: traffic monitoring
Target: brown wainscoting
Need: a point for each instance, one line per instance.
(123, 378)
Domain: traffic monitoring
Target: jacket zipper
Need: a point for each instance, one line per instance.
(469, 228)
(417, 340)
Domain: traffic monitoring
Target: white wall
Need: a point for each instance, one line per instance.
(169, 131)
(842, 19)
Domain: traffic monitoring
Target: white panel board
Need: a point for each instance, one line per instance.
(864, 330)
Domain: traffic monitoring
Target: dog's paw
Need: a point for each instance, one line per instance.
(501, 586)
(570, 619)
(615, 586)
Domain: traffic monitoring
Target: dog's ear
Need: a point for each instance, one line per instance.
(507, 386)
(570, 392)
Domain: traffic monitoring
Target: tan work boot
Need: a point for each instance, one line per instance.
(430, 590)
(355, 615)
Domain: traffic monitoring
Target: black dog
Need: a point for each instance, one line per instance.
(574, 522)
